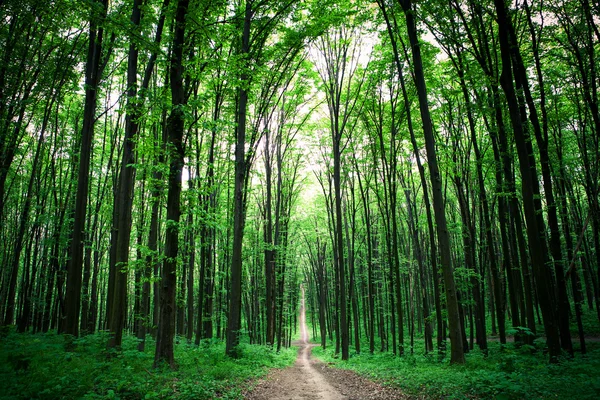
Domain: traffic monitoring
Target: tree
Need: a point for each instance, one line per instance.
(93, 73)
(456, 352)
(255, 28)
(234, 317)
(166, 327)
(530, 189)
(124, 193)
(340, 51)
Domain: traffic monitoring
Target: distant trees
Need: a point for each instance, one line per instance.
(339, 71)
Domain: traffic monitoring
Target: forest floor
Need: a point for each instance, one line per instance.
(310, 379)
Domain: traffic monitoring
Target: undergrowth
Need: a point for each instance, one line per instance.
(46, 366)
(507, 372)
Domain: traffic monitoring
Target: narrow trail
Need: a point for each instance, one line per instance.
(301, 381)
(310, 379)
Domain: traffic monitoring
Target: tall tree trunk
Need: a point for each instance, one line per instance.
(541, 135)
(364, 193)
(166, 323)
(270, 250)
(456, 352)
(150, 262)
(530, 189)
(412, 226)
(189, 333)
(489, 243)
(235, 304)
(433, 253)
(92, 79)
(124, 193)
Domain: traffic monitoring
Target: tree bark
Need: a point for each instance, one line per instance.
(456, 352)
(75, 264)
(235, 301)
(530, 189)
(124, 194)
(166, 323)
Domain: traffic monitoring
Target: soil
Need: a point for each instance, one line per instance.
(310, 379)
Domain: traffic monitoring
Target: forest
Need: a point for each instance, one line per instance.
(398, 197)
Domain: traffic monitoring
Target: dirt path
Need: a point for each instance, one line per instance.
(310, 379)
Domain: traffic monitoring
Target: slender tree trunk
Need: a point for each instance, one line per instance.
(370, 285)
(191, 266)
(92, 80)
(456, 352)
(541, 135)
(270, 255)
(432, 237)
(235, 304)
(166, 323)
(204, 329)
(535, 232)
(124, 194)
(422, 278)
(489, 243)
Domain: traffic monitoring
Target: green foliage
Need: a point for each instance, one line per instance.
(40, 367)
(506, 373)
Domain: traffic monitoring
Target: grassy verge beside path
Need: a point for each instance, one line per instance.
(508, 373)
(39, 367)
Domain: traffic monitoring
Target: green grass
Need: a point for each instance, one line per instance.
(506, 373)
(39, 367)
